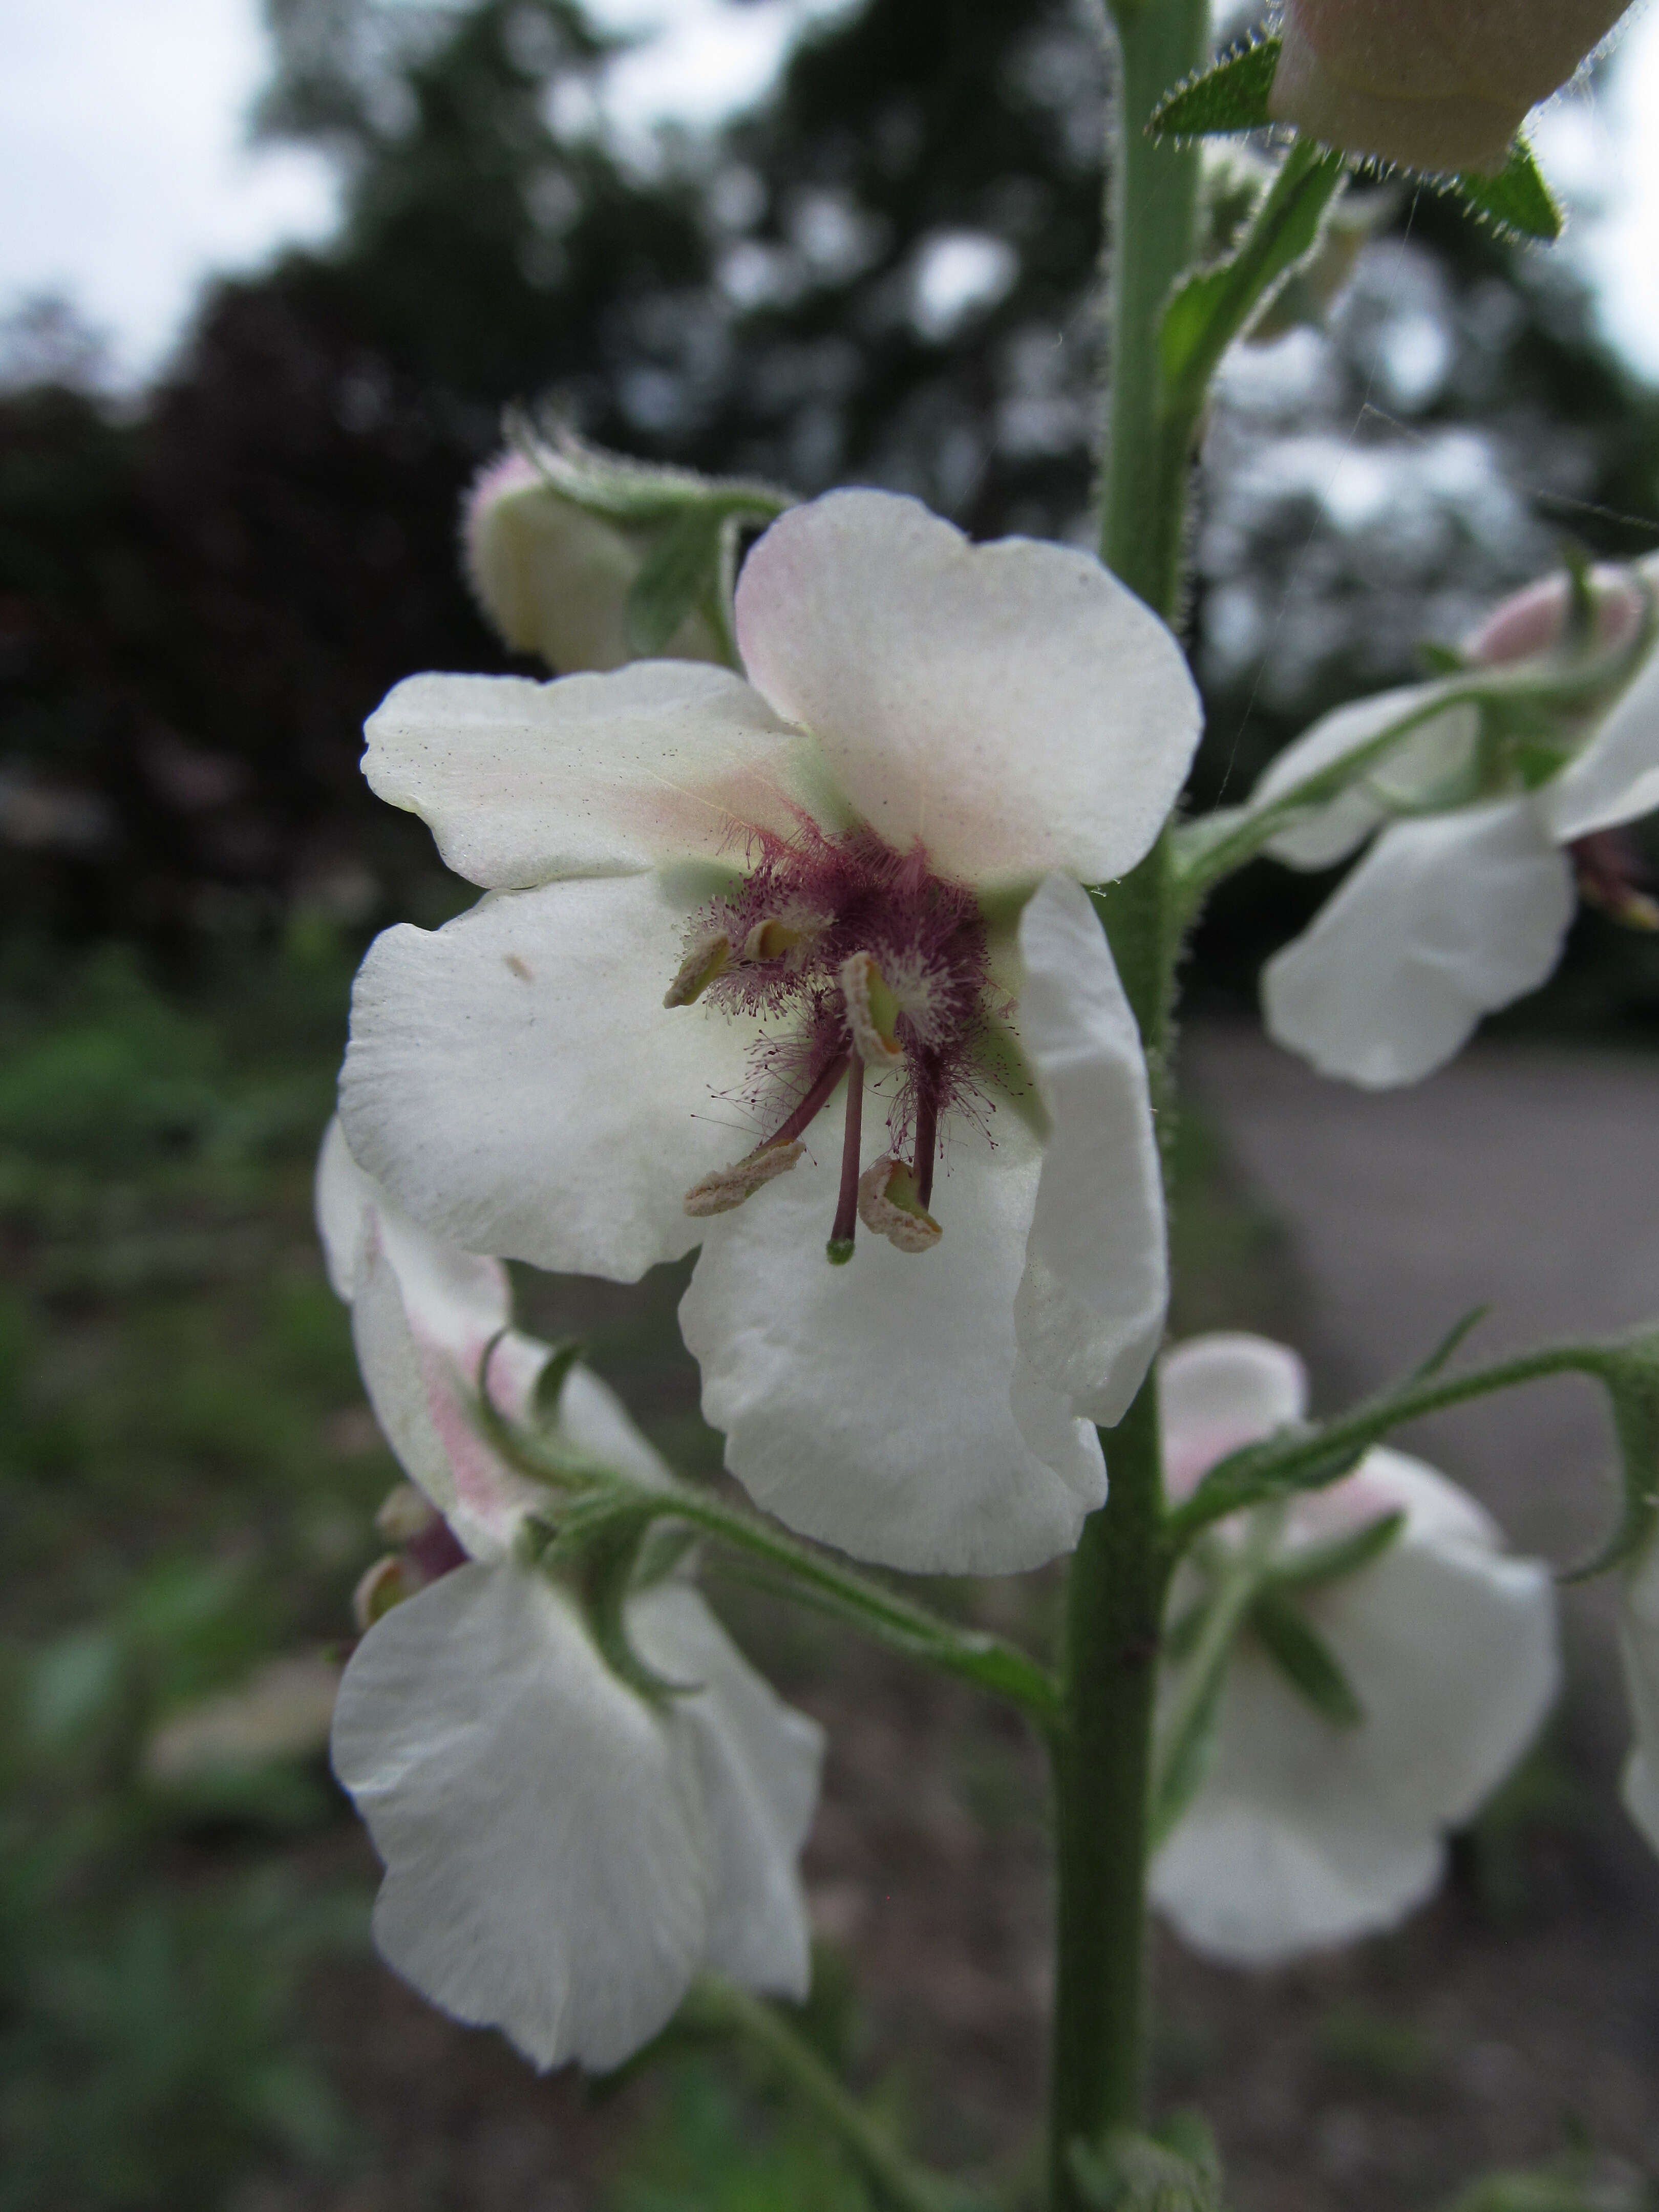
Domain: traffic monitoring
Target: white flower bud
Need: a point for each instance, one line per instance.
(554, 579)
(1439, 85)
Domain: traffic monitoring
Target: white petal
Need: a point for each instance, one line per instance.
(1089, 1313)
(759, 1763)
(340, 1194)
(1219, 1392)
(1638, 1642)
(1328, 834)
(1012, 706)
(1616, 778)
(593, 1418)
(522, 782)
(547, 1868)
(424, 1392)
(516, 1081)
(1444, 920)
(881, 1406)
(1305, 1834)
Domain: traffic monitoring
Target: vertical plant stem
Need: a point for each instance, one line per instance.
(1115, 1601)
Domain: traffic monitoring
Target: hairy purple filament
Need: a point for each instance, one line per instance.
(811, 903)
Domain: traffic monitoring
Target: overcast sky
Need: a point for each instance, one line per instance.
(125, 176)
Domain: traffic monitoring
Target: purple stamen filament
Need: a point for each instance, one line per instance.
(847, 1206)
(815, 1097)
(927, 1142)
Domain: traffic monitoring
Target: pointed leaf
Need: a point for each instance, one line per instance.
(1211, 308)
(1517, 200)
(1231, 96)
(1306, 1660)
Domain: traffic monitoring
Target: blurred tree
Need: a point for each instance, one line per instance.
(885, 273)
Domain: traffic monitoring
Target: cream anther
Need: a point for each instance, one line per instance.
(889, 1206)
(709, 957)
(871, 1011)
(727, 1188)
(771, 939)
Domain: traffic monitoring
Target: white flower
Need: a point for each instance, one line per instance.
(562, 1853)
(1452, 914)
(1304, 1833)
(831, 858)
(1638, 1640)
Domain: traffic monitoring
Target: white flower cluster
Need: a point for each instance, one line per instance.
(799, 968)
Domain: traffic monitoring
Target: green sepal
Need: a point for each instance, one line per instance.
(1279, 1467)
(1464, 1328)
(1231, 97)
(1174, 2169)
(1318, 1563)
(1305, 1659)
(1516, 201)
(623, 489)
(550, 1383)
(596, 1552)
(1436, 660)
(1631, 1376)
(680, 572)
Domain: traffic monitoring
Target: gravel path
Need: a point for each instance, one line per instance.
(1523, 1178)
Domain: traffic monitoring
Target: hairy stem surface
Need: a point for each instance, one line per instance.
(1114, 1600)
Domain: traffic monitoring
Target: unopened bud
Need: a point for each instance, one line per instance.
(554, 579)
(385, 1584)
(890, 1206)
(1439, 85)
(405, 1513)
(727, 1188)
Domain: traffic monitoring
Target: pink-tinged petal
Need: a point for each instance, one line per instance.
(759, 1763)
(546, 1844)
(884, 1407)
(425, 1396)
(523, 783)
(1012, 706)
(1432, 750)
(1305, 1835)
(1089, 1312)
(1616, 777)
(1217, 1393)
(1535, 620)
(515, 1082)
(1445, 919)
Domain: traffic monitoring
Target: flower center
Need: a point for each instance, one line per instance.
(867, 970)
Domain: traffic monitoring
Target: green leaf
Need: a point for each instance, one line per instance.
(1330, 1563)
(1210, 309)
(1231, 96)
(1517, 200)
(1306, 1660)
(683, 566)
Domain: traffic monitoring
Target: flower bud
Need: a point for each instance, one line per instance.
(1439, 85)
(553, 577)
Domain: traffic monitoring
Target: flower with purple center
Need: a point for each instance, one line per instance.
(799, 968)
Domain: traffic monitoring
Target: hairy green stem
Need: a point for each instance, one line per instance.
(896, 2182)
(1102, 1753)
